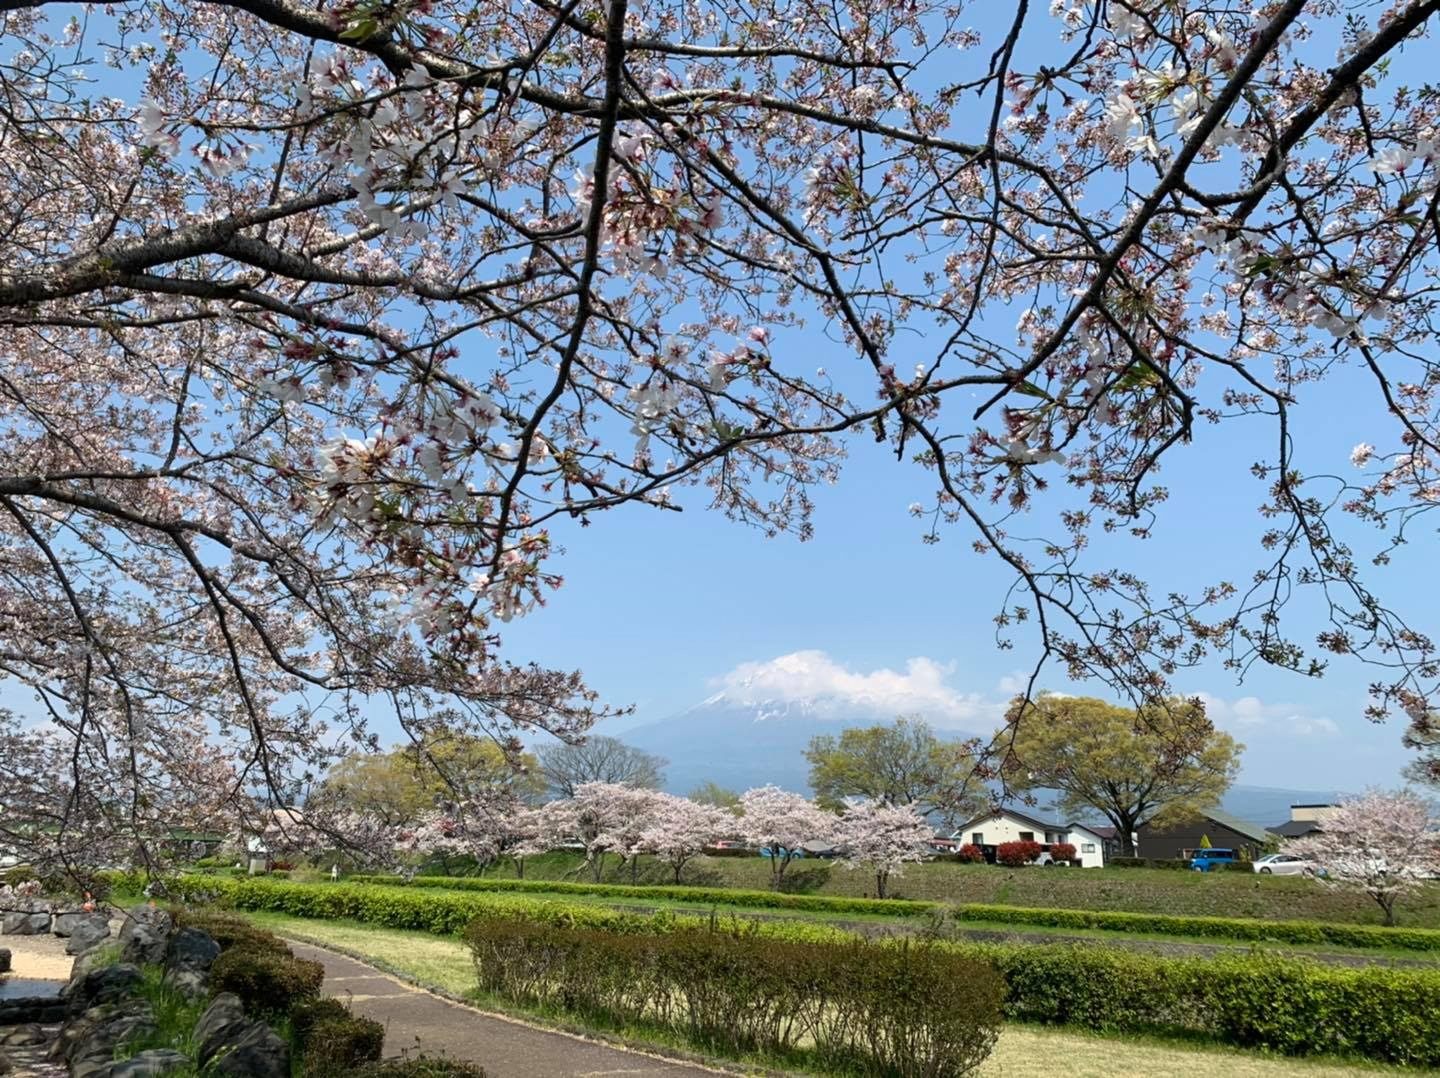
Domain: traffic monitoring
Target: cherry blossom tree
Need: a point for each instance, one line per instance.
(609, 817)
(318, 323)
(778, 823)
(882, 838)
(1381, 844)
(679, 828)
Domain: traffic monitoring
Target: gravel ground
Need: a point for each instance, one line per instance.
(40, 958)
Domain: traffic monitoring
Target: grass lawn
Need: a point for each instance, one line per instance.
(1023, 1051)
(1137, 890)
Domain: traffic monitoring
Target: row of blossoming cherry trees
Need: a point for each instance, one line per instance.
(606, 818)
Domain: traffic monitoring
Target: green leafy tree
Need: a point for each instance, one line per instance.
(1164, 763)
(899, 763)
(712, 793)
(396, 787)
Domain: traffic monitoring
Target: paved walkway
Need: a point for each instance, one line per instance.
(417, 1021)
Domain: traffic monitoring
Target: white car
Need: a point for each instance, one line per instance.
(1287, 864)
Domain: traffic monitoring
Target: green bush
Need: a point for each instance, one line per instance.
(423, 1067)
(1227, 928)
(701, 896)
(266, 982)
(1127, 862)
(1254, 1000)
(229, 930)
(903, 1009)
(429, 909)
(332, 1040)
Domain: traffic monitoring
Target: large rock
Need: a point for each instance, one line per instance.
(257, 1053)
(25, 924)
(145, 945)
(65, 923)
(221, 1024)
(89, 1042)
(4, 1063)
(190, 983)
(109, 984)
(191, 949)
(4, 960)
(158, 921)
(147, 1064)
(86, 935)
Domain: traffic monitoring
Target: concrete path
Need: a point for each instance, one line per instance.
(416, 1021)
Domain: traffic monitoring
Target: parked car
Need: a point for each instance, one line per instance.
(765, 852)
(1287, 864)
(1207, 860)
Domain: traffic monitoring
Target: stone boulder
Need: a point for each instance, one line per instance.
(147, 1064)
(221, 1024)
(158, 922)
(65, 922)
(191, 949)
(88, 1043)
(190, 983)
(109, 984)
(258, 1052)
(20, 923)
(88, 934)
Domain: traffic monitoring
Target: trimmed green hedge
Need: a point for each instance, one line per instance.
(906, 1010)
(705, 896)
(1223, 928)
(1253, 1000)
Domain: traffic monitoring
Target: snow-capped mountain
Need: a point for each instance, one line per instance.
(742, 743)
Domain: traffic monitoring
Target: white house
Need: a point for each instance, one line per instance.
(1007, 825)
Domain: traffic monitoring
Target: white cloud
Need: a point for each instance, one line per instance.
(831, 689)
(1250, 714)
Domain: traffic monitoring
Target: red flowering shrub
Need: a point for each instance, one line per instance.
(1063, 851)
(1015, 854)
(971, 853)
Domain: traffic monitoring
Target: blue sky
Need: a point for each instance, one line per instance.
(658, 608)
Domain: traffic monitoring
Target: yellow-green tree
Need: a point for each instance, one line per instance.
(395, 787)
(899, 763)
(1163, 763)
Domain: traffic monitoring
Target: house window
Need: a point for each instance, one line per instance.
(1027, 836)
(1088, 847)
(1049, 838)
(978, 838)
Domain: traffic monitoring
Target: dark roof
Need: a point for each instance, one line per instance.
(1106, 830)
(1295, 828)
(1252, 831)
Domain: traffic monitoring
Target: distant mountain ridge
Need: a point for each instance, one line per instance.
(740, 743)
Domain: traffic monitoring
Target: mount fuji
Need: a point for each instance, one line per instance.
(742, 742)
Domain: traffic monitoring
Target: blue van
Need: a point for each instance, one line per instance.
(1205, 860)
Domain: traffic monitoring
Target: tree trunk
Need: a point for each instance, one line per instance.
(678, 866)
(597, 866)
(880, 881)
(1126, 826)
(519, 867)
(634, 869)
